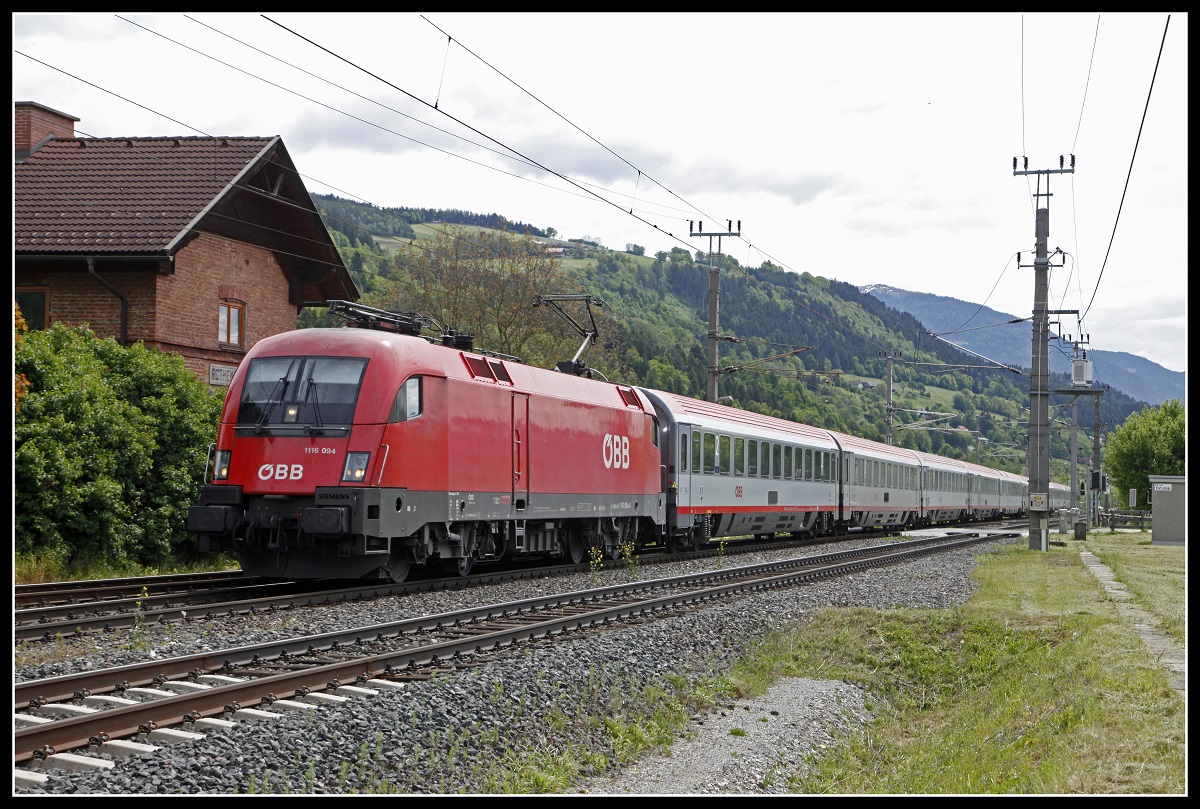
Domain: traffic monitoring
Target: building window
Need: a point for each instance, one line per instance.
(231, 323)
(35, 306)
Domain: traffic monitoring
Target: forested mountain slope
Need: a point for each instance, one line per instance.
(1010, 343)
(792, 345)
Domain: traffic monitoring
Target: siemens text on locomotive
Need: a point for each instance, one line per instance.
(363, 452)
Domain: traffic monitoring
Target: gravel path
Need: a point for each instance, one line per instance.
(451, 734)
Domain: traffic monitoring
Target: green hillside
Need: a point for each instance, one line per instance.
(793, 345)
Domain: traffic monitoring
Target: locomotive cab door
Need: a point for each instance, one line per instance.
(520, 452)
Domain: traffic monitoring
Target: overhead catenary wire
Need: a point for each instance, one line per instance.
(749, 245)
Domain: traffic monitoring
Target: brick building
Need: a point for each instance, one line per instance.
(196, 245)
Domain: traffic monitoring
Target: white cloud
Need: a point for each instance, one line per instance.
(871, 148)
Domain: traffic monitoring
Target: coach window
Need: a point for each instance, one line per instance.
(231, 317)
(787, 462)
(739, 456)
(35, 306)
(764, 460)
(723, 459)
(710, 452)
(683, 445)
(753, 448)
(776, 459)
(695, 451)
(808, 464)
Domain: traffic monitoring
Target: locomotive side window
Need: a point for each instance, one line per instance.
(408, 404)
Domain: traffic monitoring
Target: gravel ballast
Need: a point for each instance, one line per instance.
(460, 733)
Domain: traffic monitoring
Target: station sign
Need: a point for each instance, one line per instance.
(220, 375)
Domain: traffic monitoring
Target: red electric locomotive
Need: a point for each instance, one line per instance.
(363, 452)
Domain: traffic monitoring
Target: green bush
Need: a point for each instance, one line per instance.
(110, 447)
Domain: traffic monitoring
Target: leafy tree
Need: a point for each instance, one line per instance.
(487, 285)
(111, 443)
(1151, 442)
(20, 383)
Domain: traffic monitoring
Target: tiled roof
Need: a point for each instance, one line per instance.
(122, 195)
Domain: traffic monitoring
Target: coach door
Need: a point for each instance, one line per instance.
(520, 451)
(684, 476)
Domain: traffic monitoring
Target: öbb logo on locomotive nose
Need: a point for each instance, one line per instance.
(616, 451)
(280, 471)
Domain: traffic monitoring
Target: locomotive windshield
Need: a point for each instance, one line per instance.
(312, 393)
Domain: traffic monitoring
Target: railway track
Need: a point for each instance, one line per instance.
(131, 709)
(51, 611)
(27, 596)
(46, 612)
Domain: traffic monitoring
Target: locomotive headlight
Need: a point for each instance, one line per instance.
(221, 468)
(355, 470)
(290, 413)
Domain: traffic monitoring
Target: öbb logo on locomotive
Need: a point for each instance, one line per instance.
(280, 471)
(423, 452)
(616, 451)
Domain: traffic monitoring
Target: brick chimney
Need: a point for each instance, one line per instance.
(34, 123)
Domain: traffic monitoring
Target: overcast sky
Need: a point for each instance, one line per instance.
(868, 148)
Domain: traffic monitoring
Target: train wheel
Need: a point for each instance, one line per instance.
(672, 543)
(462, 567)
(576, 548)
(398, 569)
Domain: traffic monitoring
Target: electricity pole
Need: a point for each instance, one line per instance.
(714, 299)
(888, 406)
(1039, 380)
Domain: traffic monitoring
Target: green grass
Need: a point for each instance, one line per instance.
(1155, 574)
(1035, 686)
(39, 569)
